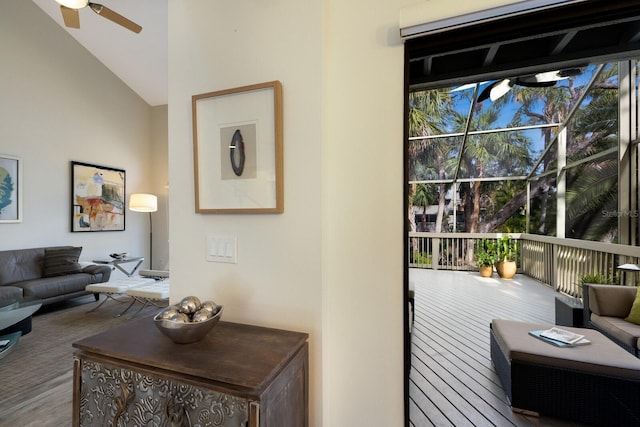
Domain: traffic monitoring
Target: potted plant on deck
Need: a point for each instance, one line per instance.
(596, 279)
(486, 257)
(507, 252)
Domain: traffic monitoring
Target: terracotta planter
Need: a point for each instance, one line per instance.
(486, 270)
(506, 269)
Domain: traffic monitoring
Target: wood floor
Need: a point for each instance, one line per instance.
(452, 380)
(36, 383)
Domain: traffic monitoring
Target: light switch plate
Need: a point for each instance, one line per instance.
(222, 249)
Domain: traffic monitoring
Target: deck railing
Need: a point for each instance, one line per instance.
(561, 263)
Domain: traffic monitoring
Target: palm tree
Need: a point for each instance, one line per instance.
(427, 116)
(422, 196)
(592, 201)
(592, 187)
(590, 131)
(486, 155)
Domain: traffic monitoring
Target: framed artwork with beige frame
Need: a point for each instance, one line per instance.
(237, 150)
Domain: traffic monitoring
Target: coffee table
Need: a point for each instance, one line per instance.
(15, 320)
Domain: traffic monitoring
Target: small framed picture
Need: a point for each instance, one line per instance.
(97, 198)
(10, 189)
(237, 147)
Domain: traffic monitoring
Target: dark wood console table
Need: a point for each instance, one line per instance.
(238, 375)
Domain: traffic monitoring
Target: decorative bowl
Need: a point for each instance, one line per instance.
(181, 332)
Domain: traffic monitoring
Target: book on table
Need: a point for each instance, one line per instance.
(560, 337)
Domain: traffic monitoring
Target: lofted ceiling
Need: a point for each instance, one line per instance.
(139, 60)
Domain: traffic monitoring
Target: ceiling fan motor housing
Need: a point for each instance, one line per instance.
(73, 4)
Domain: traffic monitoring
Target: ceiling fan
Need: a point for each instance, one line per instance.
(499, 88)
(69, 9)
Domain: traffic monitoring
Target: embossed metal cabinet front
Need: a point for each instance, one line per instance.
(117, 396)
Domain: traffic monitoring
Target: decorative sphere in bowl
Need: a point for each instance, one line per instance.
(209, 306)
(168, 313)
(185, 332)
(201, 316)
(189, 305)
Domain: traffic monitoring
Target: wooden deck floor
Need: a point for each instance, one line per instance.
(452, 380)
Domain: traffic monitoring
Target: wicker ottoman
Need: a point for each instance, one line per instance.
(597, 383)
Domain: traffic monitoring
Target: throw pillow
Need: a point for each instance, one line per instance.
(61, 261)
(634, 314)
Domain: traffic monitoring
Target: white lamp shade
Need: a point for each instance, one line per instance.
(629, 267)
(73, 4)
(143, 203)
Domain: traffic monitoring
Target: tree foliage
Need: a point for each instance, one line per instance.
(500, 205)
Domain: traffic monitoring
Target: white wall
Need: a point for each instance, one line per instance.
(331, 265)
(58, 104)
(277, 281)
(159, 174)
(363, 215)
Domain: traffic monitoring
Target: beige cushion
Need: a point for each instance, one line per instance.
(602, 356)
(626, 332)
(611, 300)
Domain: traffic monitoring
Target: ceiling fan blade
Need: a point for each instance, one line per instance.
(570, 72)
(500, 89)
(532, 82)
(70, 16)
(496, 90)
(548, 78)
(487, 91)
(115, 17)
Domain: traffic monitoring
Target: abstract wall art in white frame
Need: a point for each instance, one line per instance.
(10, 189)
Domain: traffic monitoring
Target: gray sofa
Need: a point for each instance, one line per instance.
(50, 274)
(605, 308)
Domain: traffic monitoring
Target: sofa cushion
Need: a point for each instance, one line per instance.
(624, 331)
(61, 261)
(48, 287)
(611, 300)
(634, 314)
(20, 264)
